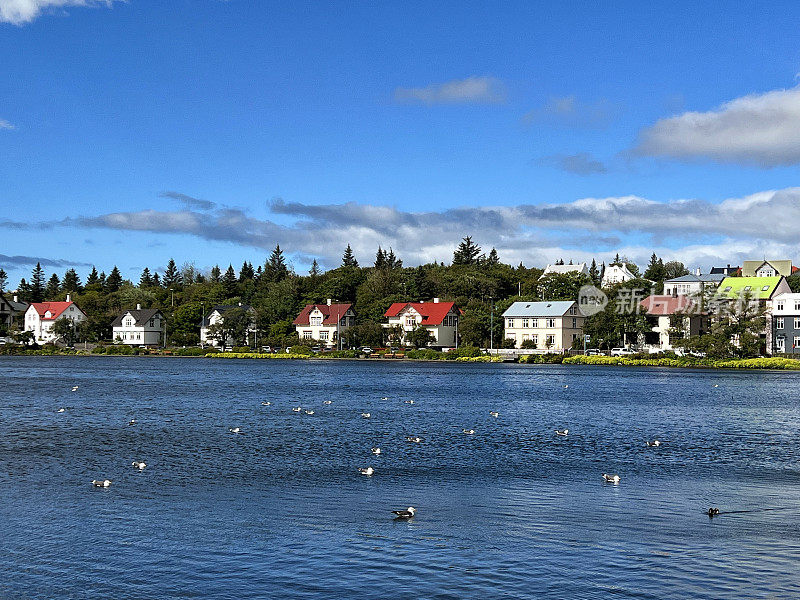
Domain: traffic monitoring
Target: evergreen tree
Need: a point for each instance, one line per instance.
(314, 271)
(146, 280)
(229, 282)
(246, 273)
(602, 270)
(467, 252)
(3, 279)
(102, 280)
(616, 260)
(114, 281)
(216, 274)
(594, 273)
(71, 282)
(156, 280)
(380, 259)
(37, 283)
(392, 262)
(53, 289)
(172, 277)
(348, 259)
(93, 281)
(493, 258)
(276, 270)
(24, 291)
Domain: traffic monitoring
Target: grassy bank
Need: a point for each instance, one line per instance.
(743, 363)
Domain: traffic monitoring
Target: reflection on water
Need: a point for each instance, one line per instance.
(280, 510)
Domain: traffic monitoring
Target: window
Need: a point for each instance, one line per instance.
(306, 335)
(796, 343)
(727, 289)
(574, 323)
(550, 323)
(534, 323)
(780, 345)
(535, 339)
(797, 322)
(747, 288)
(152, 322)
(128, 322)
(525, 337)
(510, 323)
(765, 288)
(411, 322)
(779, 305)
(323, 335)
(551, 341)
(797, 304)
(525, 323)
(315, 321)
(779, 323)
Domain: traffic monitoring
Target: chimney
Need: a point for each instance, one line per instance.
(138, 307)
(698, 272)
(240, 303)
(436, 301)
(329, 301)
(68, 298)
(16, 298)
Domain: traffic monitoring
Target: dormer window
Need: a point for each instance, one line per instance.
(747, 288)
(765, 288)
(316, 321)
(727, 289)
(48, 314)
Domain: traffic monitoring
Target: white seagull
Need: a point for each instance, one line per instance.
(139, 465)
(266, 404)
(611, 478)
(654, 443)
(384, 398)
(132, 422)
(405, 514)
(368, 471)
(494, 413)
(104, 483)
(414, 439)
(327, 402)
(366, 415)
(61, 410)
(309, 412)
(562, 431)
(297, 409)
(566, 386)
(409, 402)
(74, 388)
(468, 431)
(376, 451)
(234, 430)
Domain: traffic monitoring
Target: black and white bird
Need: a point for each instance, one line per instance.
(74, 388)
(494, 413)
(409, 401)
(406, 514)
(712, 512)
(611, 478)
(562, 432)
(132, 422)
(384, 398)
(653, 444)
(366, 415)
(234, 430)
(139, 465)
(104, 483)
(309, 412)
(297, 409)
(566, 386)
(414, 439)
(376, 451)
(366, 471)
(266, 403)
(327, 402)
(468, 431)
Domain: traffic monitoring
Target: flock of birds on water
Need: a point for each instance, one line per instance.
(402, 514)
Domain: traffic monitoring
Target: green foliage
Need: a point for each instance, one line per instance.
(528, 345)
(419, 337)
(542, 359)
(627, 361)
(467, 252)
(464, 351)
(562, 286)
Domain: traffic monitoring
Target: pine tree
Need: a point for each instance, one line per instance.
(275, 269)
(102, 280)
(467, 252)
(172, 277)
(380, 259)
(229, 282)
(246, 273)
(314, 271)
(156, 280)
(348, 259)
(392, 261)
(24, 291)
(216, 274)
(37, 284)
(93, 281)
(114, 281)
(616, 260)
(493, 258)
(3, 279)
(71, 282)
(146, 280)
(53, 289)
(594, 273)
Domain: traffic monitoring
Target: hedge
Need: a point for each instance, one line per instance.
(741, 363)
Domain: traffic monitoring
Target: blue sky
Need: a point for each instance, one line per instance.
(208, 131)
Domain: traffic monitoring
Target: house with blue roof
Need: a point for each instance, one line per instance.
(692, 284)
(552, 326)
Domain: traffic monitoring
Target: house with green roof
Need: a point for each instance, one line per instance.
(759, 288)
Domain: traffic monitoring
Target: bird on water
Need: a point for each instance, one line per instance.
(562, 432)
(611, 478)
(139, 465)
(406, 514)
(103, 483)
(366, 471)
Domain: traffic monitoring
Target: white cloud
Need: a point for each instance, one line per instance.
(472, 90)
(759, 129)
(20, 12)
(6, 125)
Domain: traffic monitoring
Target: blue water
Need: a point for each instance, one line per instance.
(280, 510)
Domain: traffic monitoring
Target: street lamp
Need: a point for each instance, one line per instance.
(202, 322)
(173, 297)
(491, 326)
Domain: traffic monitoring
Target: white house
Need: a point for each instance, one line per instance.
(439, 318)
(553, 326)
(692, 284)
(10, 310)
(672, 317)
(767, 268)
(324, 323)
(217, 315)
(139, 327)
(616, 274)
(40, 316)
(580, 268)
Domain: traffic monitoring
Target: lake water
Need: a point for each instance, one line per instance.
(280, 510)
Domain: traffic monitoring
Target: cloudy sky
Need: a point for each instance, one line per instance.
(209, 131)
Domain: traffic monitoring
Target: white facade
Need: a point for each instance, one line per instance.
(616, 274)
(324, 323)
(40, 317)
(580, 268)
(552, 326)
(216, 316)
(139, 327)
(440, 321)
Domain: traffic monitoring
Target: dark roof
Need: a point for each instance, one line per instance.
(729, 270)
(140, 316)
(222, 309)
(15, 306)
(329, 313)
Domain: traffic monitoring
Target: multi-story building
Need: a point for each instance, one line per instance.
(553, 326)
(40, 317)
(217, 316)
(439, 318)
(139, 327)
(616, 274)
(693, 284)
(767, 268)
(324, 323)
(672, 317)
(784, 318)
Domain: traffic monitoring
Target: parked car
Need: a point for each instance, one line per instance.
(594, 352)
(621, 352)
(366, 350)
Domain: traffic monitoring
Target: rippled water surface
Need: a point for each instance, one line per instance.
(280, 510)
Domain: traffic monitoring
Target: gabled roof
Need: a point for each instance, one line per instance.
(433, 313)
(222, 309)
(19, 307)
(331, 313)
(663, 305)
(555, 308)
(56, 309)
(782, 267)
(579, 268)
(760, 288)
(140, 316)
(710, 278)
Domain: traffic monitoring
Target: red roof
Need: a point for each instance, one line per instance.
(795, 269)
(433, 313)
(55, 308)
(667, 305)
(329, 312)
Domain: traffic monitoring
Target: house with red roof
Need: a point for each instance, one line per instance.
(672, 317)
(324, 323)
(40, 317)
(439, 318)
